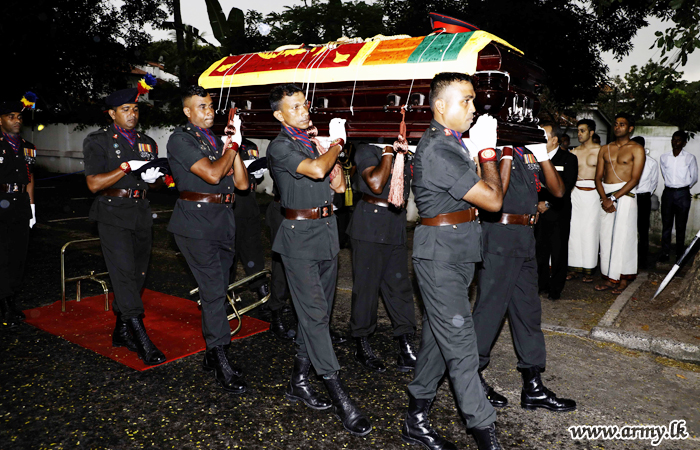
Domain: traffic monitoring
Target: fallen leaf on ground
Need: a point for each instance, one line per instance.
(680, 376)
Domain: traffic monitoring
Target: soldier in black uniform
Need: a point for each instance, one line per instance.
(446, 247)
(203, 221)
(17, 211)
(249, 248)
(554, 223)
(123, 215)
(380, 258)
(508, 275)
(307, 241)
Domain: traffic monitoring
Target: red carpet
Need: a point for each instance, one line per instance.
(174, 325)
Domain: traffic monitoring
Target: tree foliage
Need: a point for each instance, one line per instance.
(654, 92)
(320, 22)
(73, 52)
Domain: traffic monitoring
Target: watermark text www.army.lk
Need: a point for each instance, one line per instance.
(675, 430)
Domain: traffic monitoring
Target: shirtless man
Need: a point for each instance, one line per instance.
(585, 207)
(619, 168)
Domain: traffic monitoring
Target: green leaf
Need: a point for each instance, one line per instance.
(217, 19)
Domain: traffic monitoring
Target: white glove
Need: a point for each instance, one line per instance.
(32, 221)
(540, 151)
(238, 137)
(336, 130)
(471, 146)
(136, 164)
(248, 162)
(151, 175)
(259, 173)
(483, 133)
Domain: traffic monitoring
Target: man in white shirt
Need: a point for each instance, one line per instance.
(646, 187)
(680, 171)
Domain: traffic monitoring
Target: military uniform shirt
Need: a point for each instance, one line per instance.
(302, 239)
(521, 198)
(373, 223)
(443, 173)
(104, 150)
(198, 220)
(14, 168)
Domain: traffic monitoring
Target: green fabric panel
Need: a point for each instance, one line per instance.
(436, 49)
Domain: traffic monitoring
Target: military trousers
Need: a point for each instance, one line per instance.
(14, 239)
(210, 262)
(552, 238)
(279, 291)
(509, 285)
(381, 267)
(448, 339)
(127, 253)
(249, 250)
(312, 285)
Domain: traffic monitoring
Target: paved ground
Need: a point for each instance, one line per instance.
(54, 394)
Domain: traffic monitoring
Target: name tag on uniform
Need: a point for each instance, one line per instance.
(559, 168)
(145, 148)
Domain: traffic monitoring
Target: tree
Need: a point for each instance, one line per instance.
(72, 52)
(322, 22)
(654, 92)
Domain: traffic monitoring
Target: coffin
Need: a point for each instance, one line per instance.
(367, 83)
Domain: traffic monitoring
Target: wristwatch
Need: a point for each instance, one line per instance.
(547, 204)
(612, 198)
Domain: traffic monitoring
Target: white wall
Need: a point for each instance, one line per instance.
(60, 146)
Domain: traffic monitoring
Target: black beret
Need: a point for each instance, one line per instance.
(121, 97)
(10, 107)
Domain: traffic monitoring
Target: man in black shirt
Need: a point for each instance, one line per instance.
(380, 258)
(203, 221)
(307, 241)
(508, 275)
(554, 224)
(17, 211)
(249, 250)
(446, 248)
(123, 215)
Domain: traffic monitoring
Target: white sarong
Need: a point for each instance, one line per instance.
(623, 239)
(585, 228)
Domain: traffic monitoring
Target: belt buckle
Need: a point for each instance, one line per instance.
(135, 193)
(532, 220)
(15, 187)
(325, 211)
(226, 198)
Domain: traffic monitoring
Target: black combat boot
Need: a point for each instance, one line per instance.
(417, 430)
(496, 399)
(536, 395)
(263, 291)
(337, 338)
(277, 326)
(18, 313)
(226, 375)
(121, 336)
(406, 360)
(344, 408)
(146, 350)
(7, 317)
(486, 438)
(365, 356)
(301, 389)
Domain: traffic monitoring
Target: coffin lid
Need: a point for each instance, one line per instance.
(377, 58)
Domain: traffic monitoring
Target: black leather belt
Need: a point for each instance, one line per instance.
(375, 200)
(124, 193)
(677, 189)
